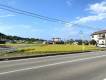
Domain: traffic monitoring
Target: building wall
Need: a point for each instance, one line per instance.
(56, 39)
(95, 37)
(101, 42)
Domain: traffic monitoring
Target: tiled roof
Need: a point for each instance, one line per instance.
(99, 32)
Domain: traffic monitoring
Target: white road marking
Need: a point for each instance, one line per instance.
(37, 67)
(18, 61)
(27, 59)
(36, 58)
(104, 79)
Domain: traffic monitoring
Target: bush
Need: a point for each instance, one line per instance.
(86, 42)
(2, 42)
(93, 42)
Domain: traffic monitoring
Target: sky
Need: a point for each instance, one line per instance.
(90, 15)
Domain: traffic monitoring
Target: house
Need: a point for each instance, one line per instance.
(75, 43)
(56, 39)
(100, 38)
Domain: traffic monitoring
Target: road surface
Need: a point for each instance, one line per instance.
(83, 66)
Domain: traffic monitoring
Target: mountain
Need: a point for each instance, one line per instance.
(12, 38)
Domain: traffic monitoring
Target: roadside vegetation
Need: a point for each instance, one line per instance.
(42, 49)
(14, 46)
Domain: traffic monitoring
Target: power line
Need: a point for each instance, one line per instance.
(27, 13)
(11, 9)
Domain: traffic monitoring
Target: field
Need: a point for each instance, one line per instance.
(40, 49)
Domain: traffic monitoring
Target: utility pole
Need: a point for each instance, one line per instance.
(82, 38)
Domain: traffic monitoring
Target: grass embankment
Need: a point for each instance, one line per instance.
(39, 49)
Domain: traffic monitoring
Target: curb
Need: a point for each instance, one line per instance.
(43, 55)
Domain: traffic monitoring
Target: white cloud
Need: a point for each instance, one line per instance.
(7, 15)
(90, 18)
(98, 7)
(98, 13)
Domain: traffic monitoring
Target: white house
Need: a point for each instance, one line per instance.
(100, 38)
(56, 39)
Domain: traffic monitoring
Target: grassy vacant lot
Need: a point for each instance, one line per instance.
(39, 49)
(57, 48)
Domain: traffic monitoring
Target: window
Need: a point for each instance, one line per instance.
(101, 35)
(92, 36)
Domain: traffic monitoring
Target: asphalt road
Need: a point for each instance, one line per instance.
(84, 66)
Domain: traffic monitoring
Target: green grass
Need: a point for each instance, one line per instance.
(58, 48)
(39, 49)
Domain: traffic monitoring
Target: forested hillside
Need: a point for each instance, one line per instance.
(8, 37)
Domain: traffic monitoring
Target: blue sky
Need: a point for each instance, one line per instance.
(85, 13)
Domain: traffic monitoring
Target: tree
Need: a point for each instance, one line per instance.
(79, 42)
(16, 39)
(70, 41)
(86, 42)
(93, 42)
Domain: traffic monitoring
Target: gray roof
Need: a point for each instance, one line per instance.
(99, 32)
